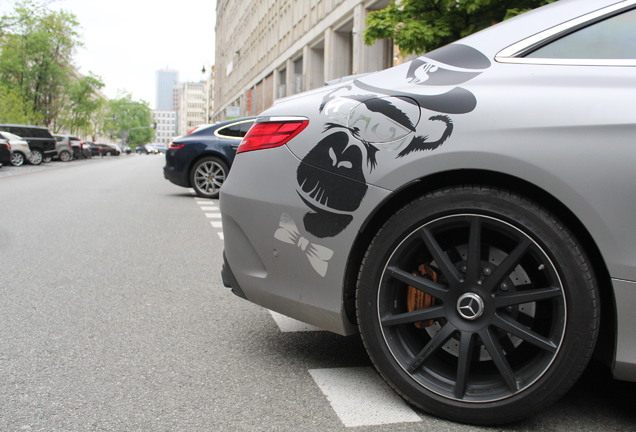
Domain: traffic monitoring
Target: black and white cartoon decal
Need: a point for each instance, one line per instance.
(374, 114)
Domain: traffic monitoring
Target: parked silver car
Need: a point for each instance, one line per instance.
(65, 146)
(470, 212)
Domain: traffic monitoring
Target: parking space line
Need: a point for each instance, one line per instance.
(289, 325)
(211, 211)
(360, 397)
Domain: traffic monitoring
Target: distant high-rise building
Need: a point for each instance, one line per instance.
(167, 79)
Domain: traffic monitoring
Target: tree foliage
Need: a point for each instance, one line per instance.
(418, 26)
(38, 81)
(83, 109)
(130, 120)
(35, 60)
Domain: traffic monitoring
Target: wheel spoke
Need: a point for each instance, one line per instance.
(513, 327)
(437, 341)
(466, 349)
(499, 358)
(420, 283)
(430, 313)
(528, 296)
(474, 249)
(441, 258)
(507, 266)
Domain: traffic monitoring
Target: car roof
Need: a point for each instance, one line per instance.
(495, 38)
(219, 125)
(11, 136)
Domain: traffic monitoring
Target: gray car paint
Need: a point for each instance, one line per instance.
(568, 130)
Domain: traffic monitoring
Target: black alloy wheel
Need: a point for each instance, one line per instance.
(477, 305)
(207, 176)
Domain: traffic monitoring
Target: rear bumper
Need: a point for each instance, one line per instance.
(229, 281)
(303, 278)
(177, 177)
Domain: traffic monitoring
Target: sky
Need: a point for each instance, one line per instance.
(127, 41)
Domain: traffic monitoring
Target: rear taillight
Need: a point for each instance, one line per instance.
(176, 146)
(270, 134)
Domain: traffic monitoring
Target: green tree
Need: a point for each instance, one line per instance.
(130, 120)
(37, 46)
(13, 109)
(83, 106)
(419, 26)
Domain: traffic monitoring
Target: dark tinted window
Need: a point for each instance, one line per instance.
(28, 132)
(613, 38)
(236, 130)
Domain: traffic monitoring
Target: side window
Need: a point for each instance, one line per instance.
(246, 127)
(235, 130)
(612, 38)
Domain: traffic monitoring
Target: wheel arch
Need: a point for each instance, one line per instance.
(204, 154)
(606, 344)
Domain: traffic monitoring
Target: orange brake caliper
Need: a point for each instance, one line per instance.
(416, 299)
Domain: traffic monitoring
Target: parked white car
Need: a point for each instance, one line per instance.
(19, 147)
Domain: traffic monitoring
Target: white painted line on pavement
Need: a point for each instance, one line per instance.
(288, 325)
(209, 208)
(360, 397)
(213, 215)
(220, 235)
(216, 224)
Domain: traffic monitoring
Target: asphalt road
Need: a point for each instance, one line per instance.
(113, 318)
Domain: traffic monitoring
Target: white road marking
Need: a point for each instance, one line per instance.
(288, 325)
(360, 397)
(209, 208)
(216, 224)
(213, 215)
(220, 235)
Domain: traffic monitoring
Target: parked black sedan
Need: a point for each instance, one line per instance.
(202, 159)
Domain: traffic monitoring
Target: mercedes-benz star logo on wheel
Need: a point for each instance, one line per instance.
(470, 306)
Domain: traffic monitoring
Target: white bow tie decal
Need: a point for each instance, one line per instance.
(318, 255)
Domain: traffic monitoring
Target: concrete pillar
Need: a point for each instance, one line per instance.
(289, 84)
(330, 58)
(358, 54)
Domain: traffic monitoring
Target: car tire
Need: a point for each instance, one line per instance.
(17, 159)
(36, 157)
(207, 176)
(477, 305)
(65, 156)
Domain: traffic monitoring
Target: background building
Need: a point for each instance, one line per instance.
(166, 129)
(277, 48)
(167, 79)
(192, 106)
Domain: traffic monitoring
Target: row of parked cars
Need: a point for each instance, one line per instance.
(20, 144)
